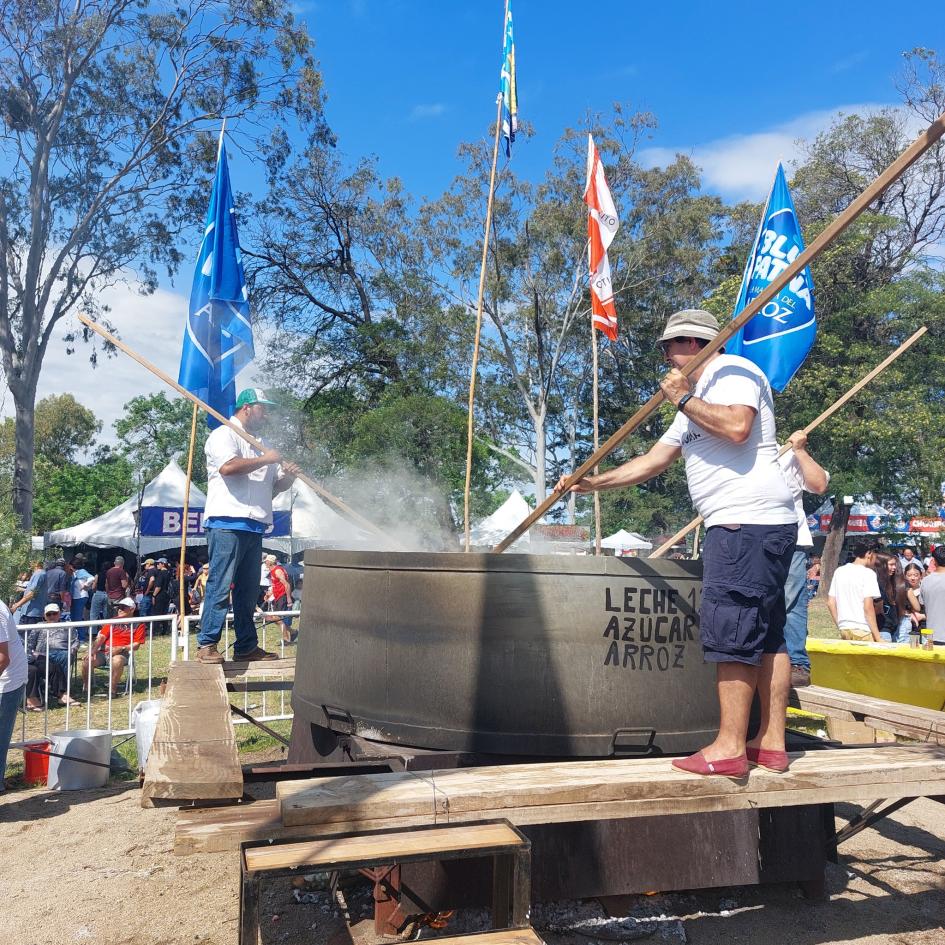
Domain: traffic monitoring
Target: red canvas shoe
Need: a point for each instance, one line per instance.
(776, 761)
(726, 767)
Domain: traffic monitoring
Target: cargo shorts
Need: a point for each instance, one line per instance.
(742, 613)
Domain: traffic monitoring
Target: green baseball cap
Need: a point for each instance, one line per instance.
(253, 395)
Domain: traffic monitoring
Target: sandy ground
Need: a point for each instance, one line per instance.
(94, 867)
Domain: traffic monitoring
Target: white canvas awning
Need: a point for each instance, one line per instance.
(492, 529)
(624, 541)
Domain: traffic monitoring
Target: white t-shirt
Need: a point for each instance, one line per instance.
(734, 483)
(851, 585)
(794, 477)
(244, 496)
(15, 674)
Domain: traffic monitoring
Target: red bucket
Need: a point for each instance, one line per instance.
(36, 763)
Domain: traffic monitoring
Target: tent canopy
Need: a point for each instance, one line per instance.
(117, 528)
(492, 529)
(626, 541)
(314, 523)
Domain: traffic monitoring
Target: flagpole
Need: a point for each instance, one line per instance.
(892, 173)
(238, 430)
(596, 440)
(826, 415)
(182, 610)
(482, 286)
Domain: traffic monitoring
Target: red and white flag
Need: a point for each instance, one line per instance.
(602, 226)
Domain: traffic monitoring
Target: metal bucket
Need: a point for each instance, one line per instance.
(86, 763)
(536, 655)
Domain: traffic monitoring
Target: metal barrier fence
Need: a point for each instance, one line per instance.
(102, 706)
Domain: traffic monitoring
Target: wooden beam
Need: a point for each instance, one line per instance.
(909, 721)
(555, 792)
(194, 754)
(365, 849)
(257, 669)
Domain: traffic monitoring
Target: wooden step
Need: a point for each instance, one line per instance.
(909, 721)
(234, 669)
(338, 853)
(596, 790)
(193, 755)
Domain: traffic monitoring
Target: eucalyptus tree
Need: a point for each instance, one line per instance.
(110, 110)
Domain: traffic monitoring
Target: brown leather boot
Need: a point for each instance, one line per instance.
(258, 654)
(209, 654)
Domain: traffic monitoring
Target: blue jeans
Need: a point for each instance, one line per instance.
(796, 601)
(144, 602)
(78, 614)
(234, 562)
(99, 607)
(9, 703)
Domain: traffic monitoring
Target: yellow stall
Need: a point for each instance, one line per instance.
(890, 671)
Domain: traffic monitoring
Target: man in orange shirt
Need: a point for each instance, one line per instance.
(114, 643)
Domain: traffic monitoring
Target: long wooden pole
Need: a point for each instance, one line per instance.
(479, 303)
(596, 438)
(182, 607)
(842, 221)
(239, 431)
(816, 422)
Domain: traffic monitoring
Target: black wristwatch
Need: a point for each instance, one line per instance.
(683, 401)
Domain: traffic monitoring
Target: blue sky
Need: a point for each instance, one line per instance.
(408, 80)
(733, 84)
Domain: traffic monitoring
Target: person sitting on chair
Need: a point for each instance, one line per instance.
(114, 644)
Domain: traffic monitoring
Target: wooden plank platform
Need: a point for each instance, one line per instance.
(560, 792)
(257, 669)
(193, 755)
(572, 791)
(382, 848)
(909, 721)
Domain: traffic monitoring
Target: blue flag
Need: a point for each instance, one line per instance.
(508, 85)
(778, 338)
(218, 341)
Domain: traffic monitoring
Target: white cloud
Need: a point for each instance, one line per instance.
(422, 112)
(152, 325)
(741, 166)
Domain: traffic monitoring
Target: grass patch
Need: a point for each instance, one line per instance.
(820, 624)
(97, 712)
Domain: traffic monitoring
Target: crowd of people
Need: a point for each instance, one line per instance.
(886, 597)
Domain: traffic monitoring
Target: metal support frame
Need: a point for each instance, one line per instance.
(870, 815)
(259, 725)
(511, 881)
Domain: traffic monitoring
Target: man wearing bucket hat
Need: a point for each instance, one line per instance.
(724, 430)
(241, 482)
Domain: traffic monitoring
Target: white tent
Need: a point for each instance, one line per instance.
(492, 529)
(117, 528)
(314, 523)
(623, 541)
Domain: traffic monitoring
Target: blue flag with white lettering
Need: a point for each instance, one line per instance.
(218, 340)
(779, 337)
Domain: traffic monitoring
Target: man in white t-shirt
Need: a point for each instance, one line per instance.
(13, 675)
(933, 597)
(724, 430)
(241, 482)
(803, 474)
(853, 593)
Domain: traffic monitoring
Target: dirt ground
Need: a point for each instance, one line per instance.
(94, 867)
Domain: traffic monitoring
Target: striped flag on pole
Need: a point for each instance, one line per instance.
(602, 226)
(507, 85)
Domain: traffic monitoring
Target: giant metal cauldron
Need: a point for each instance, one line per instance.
(505, 654)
